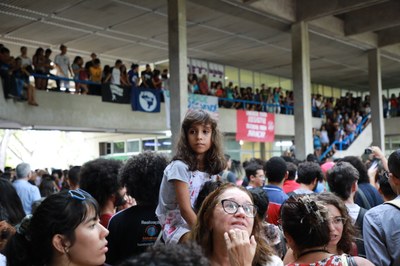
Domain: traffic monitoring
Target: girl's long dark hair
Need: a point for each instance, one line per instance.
(11, 209)
(214, 159)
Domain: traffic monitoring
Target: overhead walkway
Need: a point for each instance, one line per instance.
(62, 111)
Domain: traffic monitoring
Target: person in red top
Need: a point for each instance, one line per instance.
(203, 86)
(393, 105)
(290, 183)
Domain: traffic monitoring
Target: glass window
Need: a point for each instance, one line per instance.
(164, 144)
(272, 81)
(119, 147)
(246, 78)
(286, 84)
(133, 146)
(336, 93)
(148, 145)
(231, 74)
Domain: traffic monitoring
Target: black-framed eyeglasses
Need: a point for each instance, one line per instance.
(79, 194)
(232, 207)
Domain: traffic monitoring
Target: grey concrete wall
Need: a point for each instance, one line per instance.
(88, 113)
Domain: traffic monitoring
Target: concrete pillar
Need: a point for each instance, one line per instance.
(262, 151)
(301, 90)
(375, 90)
(177, 46)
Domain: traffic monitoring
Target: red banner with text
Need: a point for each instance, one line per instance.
(255, 126)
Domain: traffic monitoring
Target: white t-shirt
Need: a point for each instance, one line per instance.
(63, 62)
(353, 209)
(3, 261)
(116, 76)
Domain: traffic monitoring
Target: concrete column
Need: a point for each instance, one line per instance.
(301, 90)
(177, 46)
(262, 151)
(375, 90)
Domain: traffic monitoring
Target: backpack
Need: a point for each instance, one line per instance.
(359, 240)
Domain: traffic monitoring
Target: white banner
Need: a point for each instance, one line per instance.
(207, 103)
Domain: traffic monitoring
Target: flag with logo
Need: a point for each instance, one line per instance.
(115, 93)
(145, 100)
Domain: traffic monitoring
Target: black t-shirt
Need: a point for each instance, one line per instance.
(131, 232)
(146, 78)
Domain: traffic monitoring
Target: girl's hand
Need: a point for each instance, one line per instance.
(241, 248)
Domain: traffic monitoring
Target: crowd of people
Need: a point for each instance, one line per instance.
(200, 208)
(87, 76)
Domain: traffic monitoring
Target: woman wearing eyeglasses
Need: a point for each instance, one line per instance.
(342, 232)
(229, 230)
(64, 230)
(314, 230)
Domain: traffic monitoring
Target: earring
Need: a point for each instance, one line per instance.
(66, 250)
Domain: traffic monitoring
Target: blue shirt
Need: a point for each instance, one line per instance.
(371, 194)
(381, 233)
(28, 194)
(276, 198)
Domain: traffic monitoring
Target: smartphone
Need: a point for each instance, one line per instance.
(374, 164)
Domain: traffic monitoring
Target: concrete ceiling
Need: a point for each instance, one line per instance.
(250, 34)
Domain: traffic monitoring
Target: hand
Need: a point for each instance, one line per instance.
(377, 152)
(241, 248)
(6, 231)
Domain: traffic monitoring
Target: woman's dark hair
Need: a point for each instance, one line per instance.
(305, 220)
(205, 190)
(39, 51)
(59, 213)
(348, 235)
(261, 200)
(202, 234)
(99, 178)
(142, 175)
(214, 158)
(76, 59)
(11, 209)
(47, 187)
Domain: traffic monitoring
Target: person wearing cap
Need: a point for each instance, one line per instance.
(27, 192)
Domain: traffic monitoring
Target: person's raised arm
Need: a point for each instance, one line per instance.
(183, 199)
(377, 152)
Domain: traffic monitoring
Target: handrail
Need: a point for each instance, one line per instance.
(51, 76)
(347, 139)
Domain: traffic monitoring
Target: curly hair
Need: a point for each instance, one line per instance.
(214, 158)
(348, 235)
(142, 175)
(99, 178)
(202, 234)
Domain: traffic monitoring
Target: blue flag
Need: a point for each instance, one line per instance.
(145, 100)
